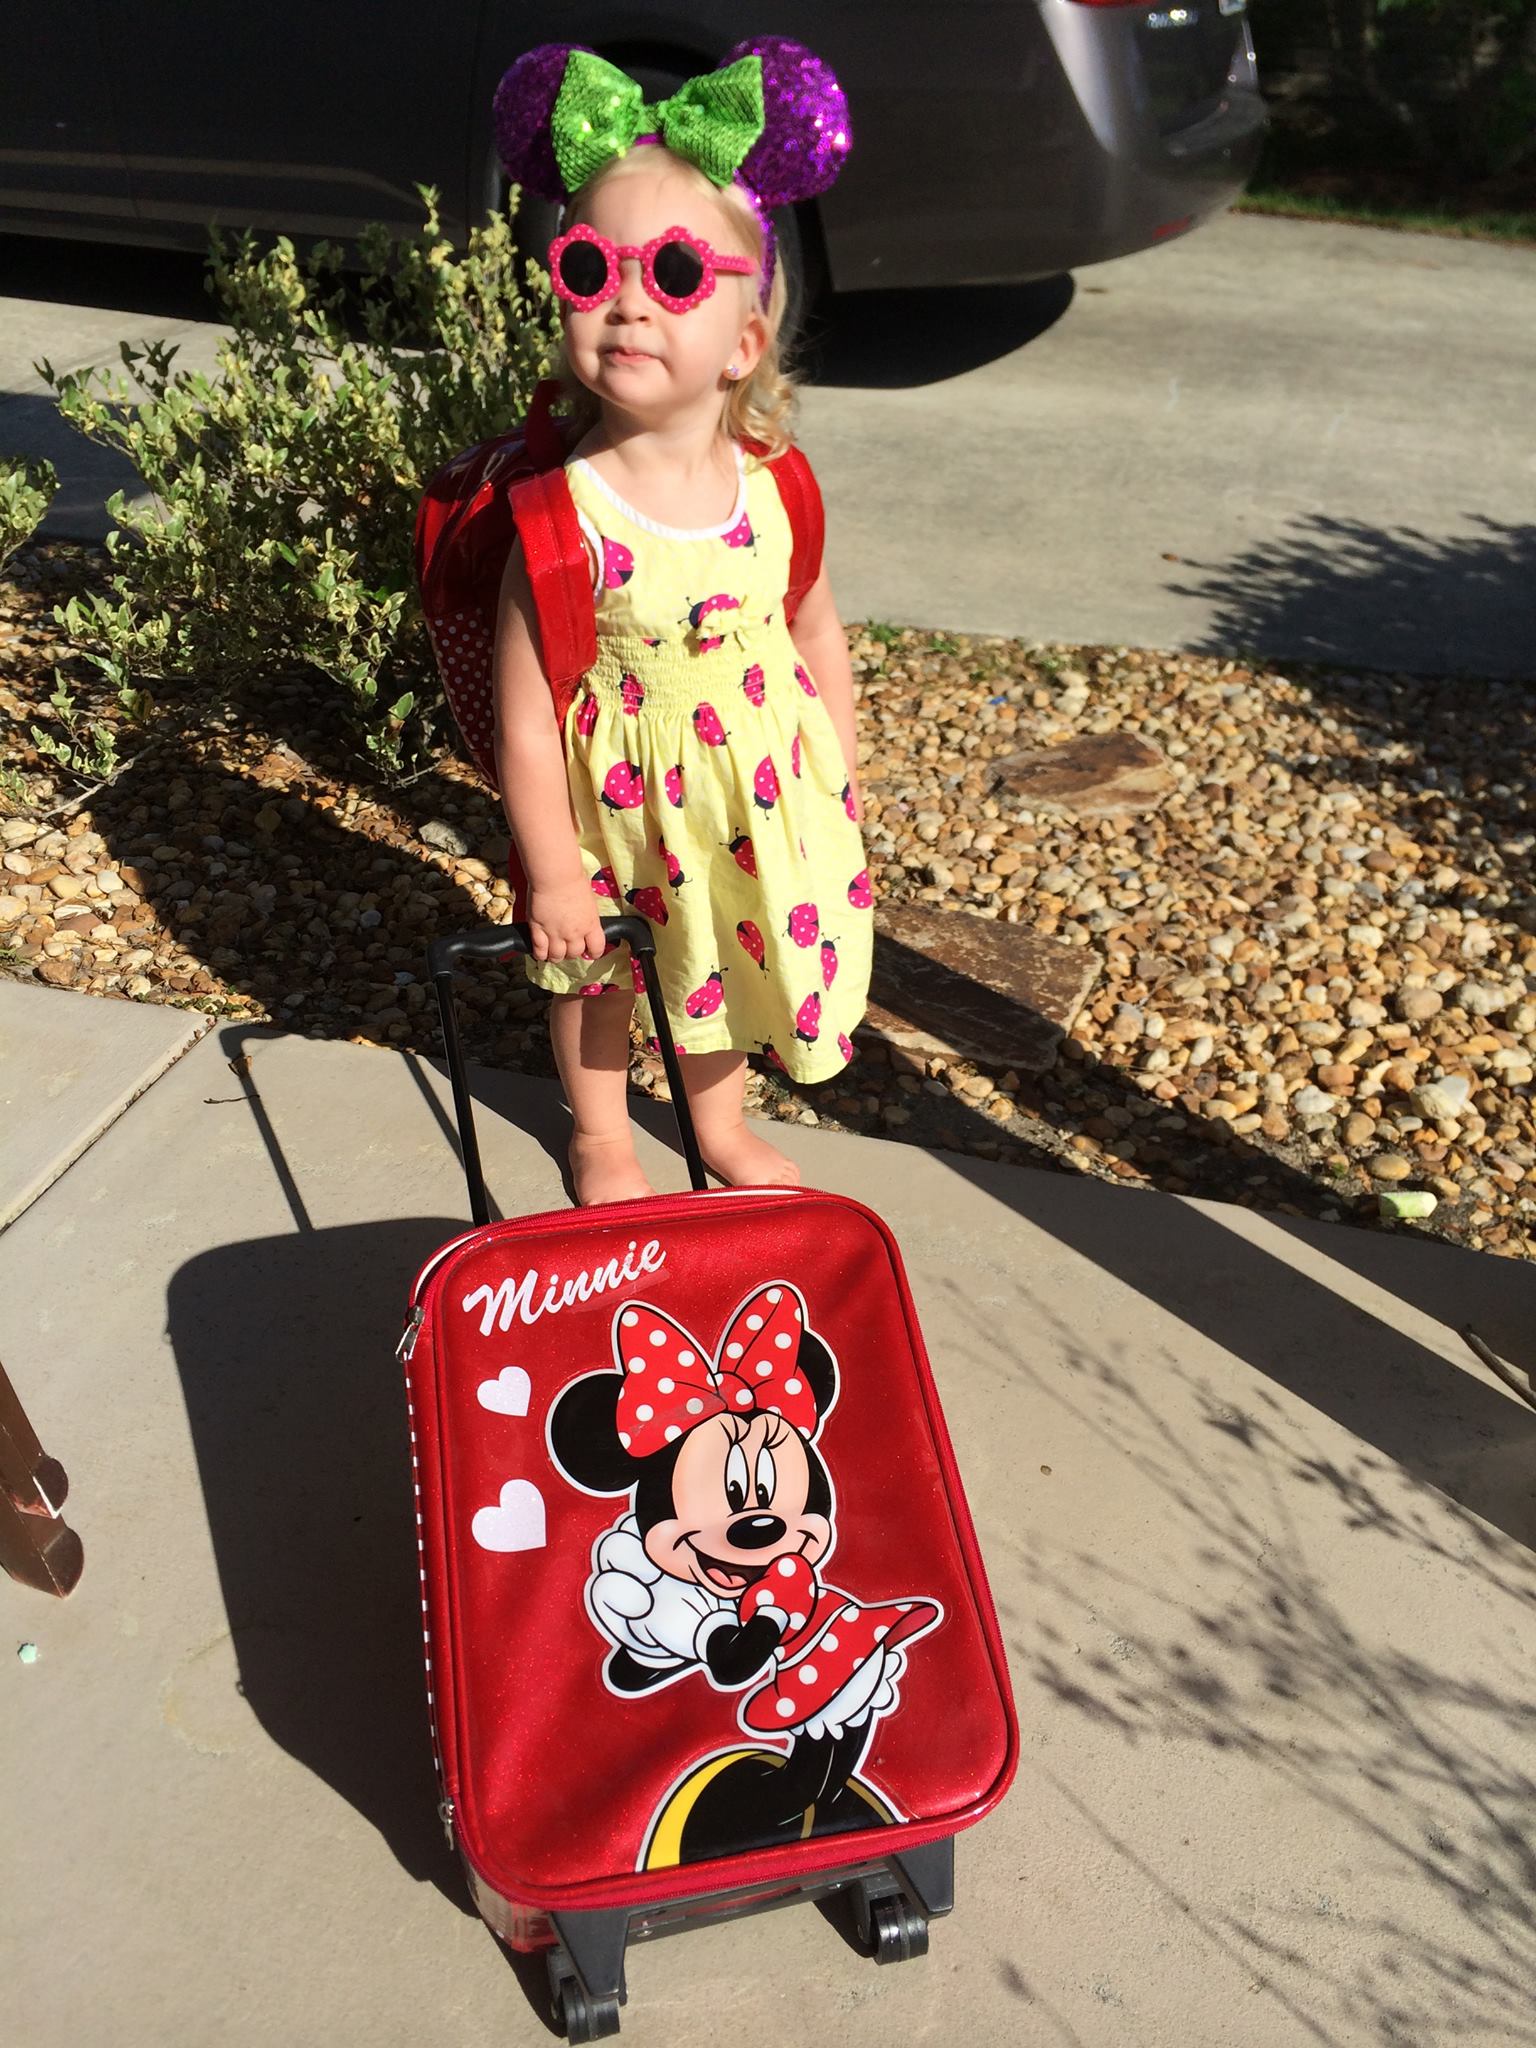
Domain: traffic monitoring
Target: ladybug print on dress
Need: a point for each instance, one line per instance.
(586, 717)
(845, 1045)
(794, 757)
(848, 803)
(605, 883)
(631, 693)
(803, 924)
(706, 723)
(743, 855)
(673, 866)
(765, 784)
(673, 784)
(804, 681)
(698, 613)
(618, 565)
(770, 1053)
(752, 942)
(858, 890)
(741, 534)
(649, 904)
(828, 963)
(707, 997)
(808, 1020)
(624, 786)
(752, 684)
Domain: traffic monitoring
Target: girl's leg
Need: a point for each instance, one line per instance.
(715, 1082)
(590, 1035)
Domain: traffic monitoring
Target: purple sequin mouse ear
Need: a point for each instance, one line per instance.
(806, 135)
(520, 113)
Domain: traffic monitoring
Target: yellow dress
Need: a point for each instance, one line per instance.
(710, 791)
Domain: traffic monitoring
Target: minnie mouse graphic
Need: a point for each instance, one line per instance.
(716, 1570)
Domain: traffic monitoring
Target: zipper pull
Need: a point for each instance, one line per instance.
(409, 1334)
(445, 1815)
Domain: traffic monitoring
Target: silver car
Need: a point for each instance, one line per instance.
(992, 142)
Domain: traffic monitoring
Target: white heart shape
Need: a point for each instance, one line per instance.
(508, 1393)
(517, 1524)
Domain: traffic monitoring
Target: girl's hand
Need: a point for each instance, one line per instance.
(565, 923)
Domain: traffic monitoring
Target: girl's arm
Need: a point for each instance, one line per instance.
(823, 646)
(535, 791)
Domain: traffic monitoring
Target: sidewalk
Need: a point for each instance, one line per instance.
(1257, 1525)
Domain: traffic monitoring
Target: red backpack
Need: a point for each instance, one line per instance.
(465, 524)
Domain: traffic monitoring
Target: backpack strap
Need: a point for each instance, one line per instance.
(802, 501)
(560, 576)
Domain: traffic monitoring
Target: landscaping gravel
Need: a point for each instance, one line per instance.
(1317, 950)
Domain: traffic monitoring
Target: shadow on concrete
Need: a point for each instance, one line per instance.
(33, 429)
(1330, 585)
(897, 340)
(1254, 1655)
(297, 1416)
(1314, 1329)
(153, 284)
(296, 1408)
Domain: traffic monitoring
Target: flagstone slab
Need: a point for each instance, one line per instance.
(1089, 775)
(975, 988)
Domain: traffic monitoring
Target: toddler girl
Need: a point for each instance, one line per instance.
(706, 776)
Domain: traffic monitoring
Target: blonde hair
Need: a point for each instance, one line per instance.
(759, 407)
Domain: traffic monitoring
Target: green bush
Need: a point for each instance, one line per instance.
(26, 492)
(1443, 87)
(288, 483)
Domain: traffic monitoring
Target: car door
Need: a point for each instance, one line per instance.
(61, 163)
(302, 117)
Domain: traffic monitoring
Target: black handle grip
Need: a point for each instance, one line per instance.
(501, 941)
(505, 942)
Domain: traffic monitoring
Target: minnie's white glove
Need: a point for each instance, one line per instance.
(659, 1620)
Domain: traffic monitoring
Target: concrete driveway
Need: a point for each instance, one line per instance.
(1258, 1525)
(1273, 436)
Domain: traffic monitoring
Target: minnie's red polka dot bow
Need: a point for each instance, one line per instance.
(671, 1383)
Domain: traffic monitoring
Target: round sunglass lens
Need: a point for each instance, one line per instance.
(583, 269)
(679, 270)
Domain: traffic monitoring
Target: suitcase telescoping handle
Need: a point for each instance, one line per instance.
(506, 941)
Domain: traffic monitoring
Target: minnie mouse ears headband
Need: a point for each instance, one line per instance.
(772, 119)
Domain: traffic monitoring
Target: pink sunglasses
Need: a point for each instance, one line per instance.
(677, 269)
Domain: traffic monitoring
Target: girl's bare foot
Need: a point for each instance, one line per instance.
(606, 1170)
(743, 1160)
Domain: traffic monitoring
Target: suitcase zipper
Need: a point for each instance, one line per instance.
(445, 1815)
(408, 1336)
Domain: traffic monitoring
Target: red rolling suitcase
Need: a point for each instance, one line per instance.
(706, 1625)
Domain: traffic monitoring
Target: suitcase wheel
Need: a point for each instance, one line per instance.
(897, 1931)
(578, 2016)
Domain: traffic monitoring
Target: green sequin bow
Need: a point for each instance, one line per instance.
(713, 120)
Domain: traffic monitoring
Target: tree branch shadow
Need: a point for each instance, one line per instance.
(1285, 1614)
(1424, 604)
